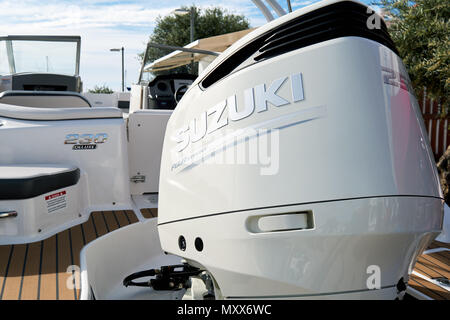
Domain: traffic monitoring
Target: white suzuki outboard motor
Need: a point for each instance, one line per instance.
(298, 166)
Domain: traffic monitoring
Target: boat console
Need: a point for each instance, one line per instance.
(41, 82)
(40, 63)
(165, 91)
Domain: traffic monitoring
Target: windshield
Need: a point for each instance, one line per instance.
(39, 55)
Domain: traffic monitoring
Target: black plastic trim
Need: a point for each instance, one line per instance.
(342, 19)
(25, 188)
(345, 19)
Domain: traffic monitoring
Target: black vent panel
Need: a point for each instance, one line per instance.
(342, 19)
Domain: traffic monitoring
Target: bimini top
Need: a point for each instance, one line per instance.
(40, 54)
(179, 58)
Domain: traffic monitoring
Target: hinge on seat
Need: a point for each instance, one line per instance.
(137, 179)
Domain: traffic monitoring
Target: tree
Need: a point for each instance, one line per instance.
(420, 30)
(101, 89)
(175, 30)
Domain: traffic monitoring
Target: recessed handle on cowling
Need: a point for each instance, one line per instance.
(8, 214)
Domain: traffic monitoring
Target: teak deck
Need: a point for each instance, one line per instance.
(432, 265)
(46, 270)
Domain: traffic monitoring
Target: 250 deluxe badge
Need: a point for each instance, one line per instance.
(85, 141)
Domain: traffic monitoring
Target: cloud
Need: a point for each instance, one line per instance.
(64, 15)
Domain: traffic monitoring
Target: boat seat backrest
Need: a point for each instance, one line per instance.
(48, 114)
(44, 99)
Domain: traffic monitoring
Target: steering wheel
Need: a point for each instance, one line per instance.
(179, 93)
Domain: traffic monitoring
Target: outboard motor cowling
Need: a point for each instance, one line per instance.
(297, 165)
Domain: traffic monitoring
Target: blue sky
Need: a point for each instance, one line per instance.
(105, 24)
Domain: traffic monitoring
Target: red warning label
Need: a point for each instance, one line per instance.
(56, 201)
(55, 195)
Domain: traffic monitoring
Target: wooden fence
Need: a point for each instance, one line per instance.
(437, 125)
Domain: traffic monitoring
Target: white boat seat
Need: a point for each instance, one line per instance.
(43, 114)
(44, 99)
(29, 181)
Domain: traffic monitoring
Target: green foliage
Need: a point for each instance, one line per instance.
(175, 30)
(420, 30)
(101, 89)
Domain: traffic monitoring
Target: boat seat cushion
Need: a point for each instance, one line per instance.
(29, 181)
(43, 114)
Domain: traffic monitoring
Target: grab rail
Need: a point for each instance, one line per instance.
(8, 214)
